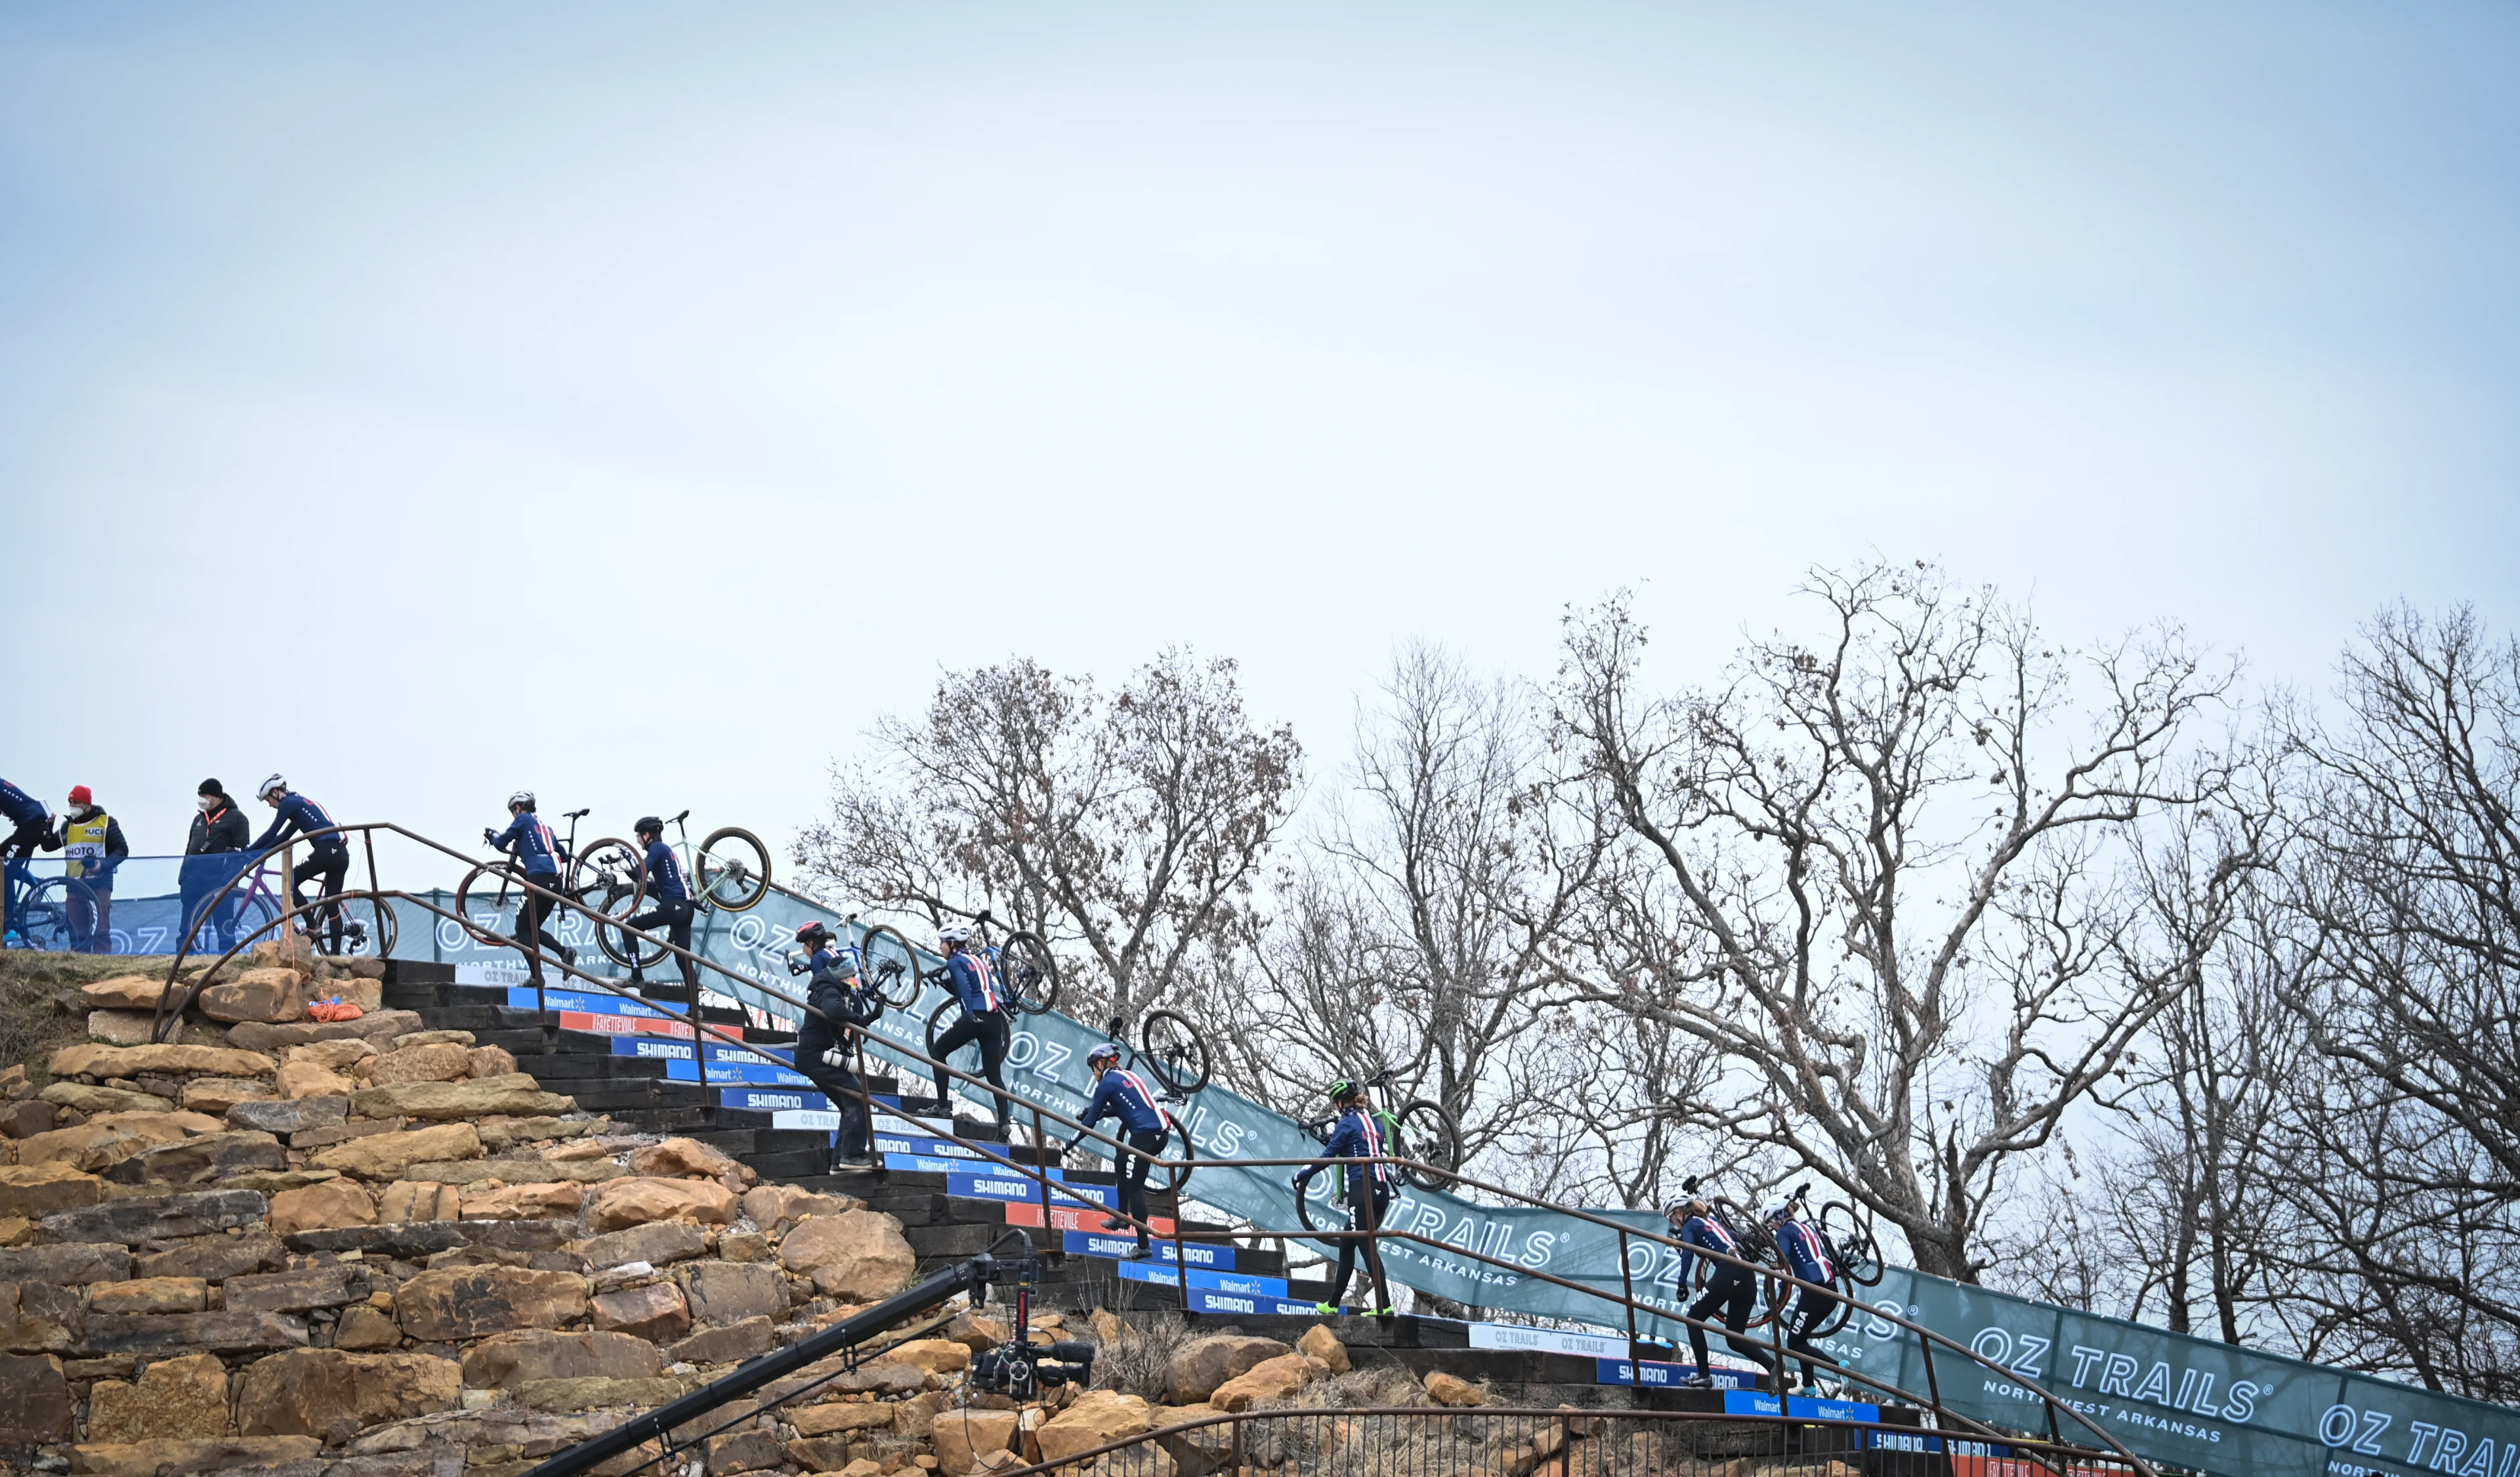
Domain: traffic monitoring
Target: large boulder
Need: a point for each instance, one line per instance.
(516, 1094)
(305, 1080)
(1270, 1382)
(176, 1399)
(639, 1199)
(183, 1458)
(124, 993)
(468, 1301)
(1453, 1390)
(198, 1161)
(384, 1156)
(310, 1391)
(1324, 1345)
(269, 995)
(34, 1399)
(655, 1310)
(777, 1207)
(729, 1292)
(95, 1101)
(524, 1202)
(1199, 1366)
(936, 1356)
(858, 1256)
(964, 1439)
(322, 1206)
(36, 1190)
(437, 1062)
(508, 1360)
(1096, 1417)
(103, 1062)
(683, 1159)
(101, 1144)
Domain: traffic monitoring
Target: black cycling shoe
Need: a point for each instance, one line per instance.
(1115, 1222)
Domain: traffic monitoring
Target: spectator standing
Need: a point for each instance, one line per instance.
(212, 854)
(94, 843)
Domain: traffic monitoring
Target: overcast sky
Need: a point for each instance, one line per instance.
(632, 403)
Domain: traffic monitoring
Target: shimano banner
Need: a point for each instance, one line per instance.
(2189, 1401)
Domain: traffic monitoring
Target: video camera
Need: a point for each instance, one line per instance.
(1024, 1370)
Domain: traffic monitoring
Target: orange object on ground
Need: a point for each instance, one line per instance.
(335, 1010)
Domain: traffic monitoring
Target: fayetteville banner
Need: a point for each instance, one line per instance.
(2172, 1398)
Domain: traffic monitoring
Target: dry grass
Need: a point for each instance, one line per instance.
(33, 1025)
(1135, 1365)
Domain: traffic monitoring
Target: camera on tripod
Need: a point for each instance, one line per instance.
(1024, 1370)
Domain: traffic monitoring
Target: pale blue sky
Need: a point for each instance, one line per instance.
(632, 401)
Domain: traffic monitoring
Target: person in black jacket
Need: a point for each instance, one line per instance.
(213, 854)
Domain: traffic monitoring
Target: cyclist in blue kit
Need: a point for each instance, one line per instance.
(1730, 1290)
(1357, 1135)
(541, 855)
(328, 857)
(974, 979)
(670, 884)
(1807, 1258)
(29, 822)
(1121, 1093)
(833, 989)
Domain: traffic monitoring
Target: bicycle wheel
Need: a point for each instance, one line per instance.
(369, 925)
(1837, 1317)
(1030, 976)
(1850, 1240)
(1427, 1135)
(609, 882)
(45, 919)
(1175, 1052)
(889, 966)
(489, 887)
(1170, 1178)
(257, 918)
(733, 870)
(1334, 1216)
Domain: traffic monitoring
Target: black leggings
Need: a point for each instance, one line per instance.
(1132, 1178)
(1358, 1218)
(677, 918)
(330, 868)
(1730, 1290)
(534, 915)
(1808, 1308)
(815, 1042)
(989, 1029)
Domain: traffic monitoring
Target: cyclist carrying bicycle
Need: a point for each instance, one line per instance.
(1368, 1188)
(542, 855)
(834, 991)
(671, 884)
(975, 982)
(1807, 1258)
(1730, 1290)
(328, 859)
(30, 822)
(1121, 1093)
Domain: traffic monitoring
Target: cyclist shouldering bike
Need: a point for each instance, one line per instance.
(833, 989)
(972, 975)
(1121, 1093)
(1729, 1289)
(1357, 1135)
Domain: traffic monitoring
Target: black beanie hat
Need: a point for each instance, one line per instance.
(211, 787)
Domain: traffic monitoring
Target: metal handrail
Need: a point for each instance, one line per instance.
(2059, 1454)
(1926, 1337)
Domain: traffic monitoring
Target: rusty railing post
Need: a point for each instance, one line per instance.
(1627, 1296)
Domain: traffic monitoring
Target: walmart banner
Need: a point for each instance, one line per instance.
(2188, 1401)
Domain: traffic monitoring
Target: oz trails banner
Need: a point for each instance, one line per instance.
(2170, 1397)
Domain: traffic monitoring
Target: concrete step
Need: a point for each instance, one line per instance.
(584, 1066)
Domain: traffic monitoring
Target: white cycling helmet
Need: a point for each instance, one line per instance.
(269, 785)
(1782, 1210)
(1105, 1052)
(955, 934)
(524, 797)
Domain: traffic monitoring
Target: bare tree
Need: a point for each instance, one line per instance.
(1131, 827)
(1411, 937)
(2407, 1143)
(1878, 877)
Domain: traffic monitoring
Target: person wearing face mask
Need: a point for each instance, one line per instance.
(212, 854)
(94, 840)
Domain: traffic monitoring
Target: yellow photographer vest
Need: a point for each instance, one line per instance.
(83, 840)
